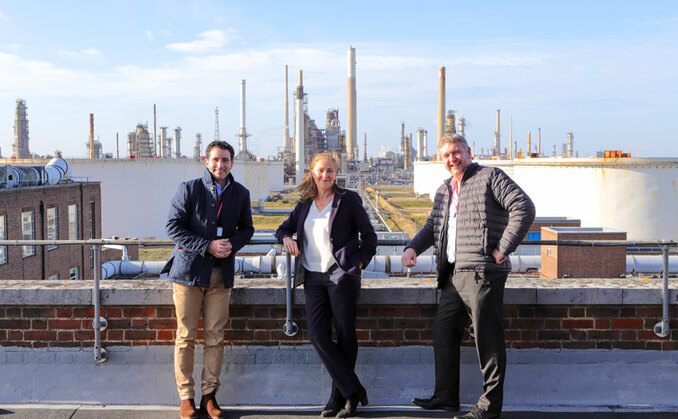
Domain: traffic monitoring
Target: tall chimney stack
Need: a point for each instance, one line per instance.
(529, 143)
(156, 153)
(539, 141)
(511, 139)
(570, 144)
(286, 129)
(497, 139)
(91, 136)
(300, 162)
(365, 149)
(441, 109)
(351, 134)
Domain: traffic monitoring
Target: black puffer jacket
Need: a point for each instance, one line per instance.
(494, 213)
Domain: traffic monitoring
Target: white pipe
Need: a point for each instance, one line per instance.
(125, 254)
(272, 264)
(649, 264)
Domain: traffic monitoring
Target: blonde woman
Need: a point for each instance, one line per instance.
(330, 223)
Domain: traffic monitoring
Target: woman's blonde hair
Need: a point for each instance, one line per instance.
(307, 187)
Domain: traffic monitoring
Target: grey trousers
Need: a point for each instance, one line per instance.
(478, 297)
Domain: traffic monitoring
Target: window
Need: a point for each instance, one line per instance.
(73, 273)
(54, 277)
(3, 236)
(73, 222)
(534, 235)
(52, 227)
(28, 231)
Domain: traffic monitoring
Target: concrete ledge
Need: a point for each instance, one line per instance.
(288, 376)
(520, 289)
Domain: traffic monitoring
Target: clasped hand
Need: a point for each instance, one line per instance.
(221, 248)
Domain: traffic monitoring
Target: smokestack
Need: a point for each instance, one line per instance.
(163, 143)
(529, 143)
(570, 144)
(299, 142)
(286, 129)
(425, 143)
(462, 126)
(497, 139)
(539, 141)
(441, 109)
(451, 123)
(352, 114)
(117, 146)
(511, 137)
(420, 143)
(154, 133)
(177, 143)
(198, 146)
(402, 138)
(365, 149)
(91, 136)
(242, 134)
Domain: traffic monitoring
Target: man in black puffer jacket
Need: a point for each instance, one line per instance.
(479, 217)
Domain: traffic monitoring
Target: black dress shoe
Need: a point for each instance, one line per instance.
(478, 413)
(435, 403)
(333, 406)
(351, 404)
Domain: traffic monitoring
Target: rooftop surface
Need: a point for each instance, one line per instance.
(258, 412)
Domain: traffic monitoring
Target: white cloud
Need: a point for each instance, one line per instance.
(208, 41)
(11, 47)
(149, 35)
(88, 54)
(3, 16)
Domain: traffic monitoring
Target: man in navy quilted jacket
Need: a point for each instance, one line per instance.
(209, 220)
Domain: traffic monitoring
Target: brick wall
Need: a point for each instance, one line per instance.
(527, 326)
(579, 261)
(56, 261)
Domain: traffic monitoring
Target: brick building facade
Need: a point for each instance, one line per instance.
(579, 261)
(69, 211)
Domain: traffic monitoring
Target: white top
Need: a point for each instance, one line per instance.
(317, 253)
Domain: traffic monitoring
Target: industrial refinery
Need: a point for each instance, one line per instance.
(148, 165)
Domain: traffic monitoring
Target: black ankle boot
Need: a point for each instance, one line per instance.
(351, 404)
(334, 405)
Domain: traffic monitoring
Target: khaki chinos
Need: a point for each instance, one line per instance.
(189, 302)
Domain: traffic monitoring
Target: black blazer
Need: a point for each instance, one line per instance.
(348, 218)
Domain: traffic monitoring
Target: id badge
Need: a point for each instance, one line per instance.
(220, 231)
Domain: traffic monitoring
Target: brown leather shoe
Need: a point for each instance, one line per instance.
(188, 410)
(209, 405)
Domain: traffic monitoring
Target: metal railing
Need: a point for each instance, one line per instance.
(290, 328)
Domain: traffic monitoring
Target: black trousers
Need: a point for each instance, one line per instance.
(478, 297)
(325, 301)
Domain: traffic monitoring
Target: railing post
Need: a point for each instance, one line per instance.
(99, 323)
(291, 327)
(661, 329)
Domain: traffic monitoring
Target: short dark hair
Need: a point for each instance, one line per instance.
(219, 144)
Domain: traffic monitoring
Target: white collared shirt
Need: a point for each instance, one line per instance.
(317, 253)
(452, 224)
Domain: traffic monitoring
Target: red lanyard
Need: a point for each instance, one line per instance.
(455, 192)
(220, 200)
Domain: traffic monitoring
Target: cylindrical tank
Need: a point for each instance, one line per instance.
(635, 195)
(55, 171)
(26, 175)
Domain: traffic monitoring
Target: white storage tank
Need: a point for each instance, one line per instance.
(636, 195)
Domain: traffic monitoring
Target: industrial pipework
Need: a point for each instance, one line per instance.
(55, 171)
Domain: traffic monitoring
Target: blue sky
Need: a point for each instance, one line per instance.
(605, 70)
